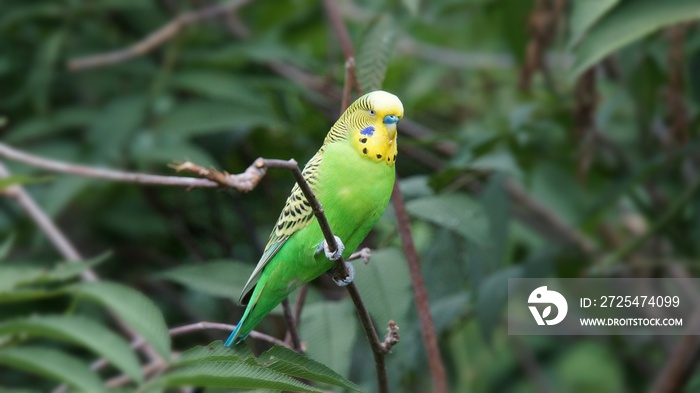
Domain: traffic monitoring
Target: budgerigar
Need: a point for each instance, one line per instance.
(352, 175)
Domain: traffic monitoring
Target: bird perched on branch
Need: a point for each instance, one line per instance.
(352, 175)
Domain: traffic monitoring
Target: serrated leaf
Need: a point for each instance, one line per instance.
(456, 212)
(234, 374)
(81, 331)
(288, 362)
(329, 330)
(374, 54)
(134, 308)
(584, 14)
(215, 351)
(53, 364)
(216, 278)
(630, 21)
(205, 117)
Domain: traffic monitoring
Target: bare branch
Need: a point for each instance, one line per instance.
(157, 38)
(243, 182)
(420, 293)
(292, 324)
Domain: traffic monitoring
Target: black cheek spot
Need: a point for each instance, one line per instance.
(363, 140)
(364, 150)
(379, 156)
(394, 157)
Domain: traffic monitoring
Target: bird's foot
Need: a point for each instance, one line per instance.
(342, 282)
(335, 255)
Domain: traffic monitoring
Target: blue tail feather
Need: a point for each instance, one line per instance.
(234, 338)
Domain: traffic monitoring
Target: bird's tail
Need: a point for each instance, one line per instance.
(242, 329)
(235, 336)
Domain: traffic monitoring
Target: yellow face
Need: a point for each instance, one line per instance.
(373, 126)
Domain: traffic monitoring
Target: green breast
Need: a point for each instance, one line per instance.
(354, 191)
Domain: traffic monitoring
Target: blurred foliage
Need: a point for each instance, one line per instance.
(586, 110)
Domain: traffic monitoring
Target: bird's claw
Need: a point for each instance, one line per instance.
(342, 282)
(335, 255)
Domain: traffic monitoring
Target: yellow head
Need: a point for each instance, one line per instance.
(370, 126)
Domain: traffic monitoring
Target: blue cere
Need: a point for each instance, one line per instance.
(391, 119)
(369, 131)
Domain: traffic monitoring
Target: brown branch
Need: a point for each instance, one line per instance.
(420, 293)
(243, 182)
(292, 324)
(155, 39)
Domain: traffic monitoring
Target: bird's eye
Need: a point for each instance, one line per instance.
(372, 112)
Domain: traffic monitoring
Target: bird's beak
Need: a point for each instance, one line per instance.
(391, 119)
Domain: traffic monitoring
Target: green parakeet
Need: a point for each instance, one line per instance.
(352, 175)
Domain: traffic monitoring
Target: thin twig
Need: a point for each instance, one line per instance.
(291, 326)
(420, 293)
(243, 182)
(299, 302)
(155, 39)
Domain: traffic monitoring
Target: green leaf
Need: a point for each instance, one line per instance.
(584, 14)
(375, 52)
(329, 330)
(234, 374)
(14, 276)
(134, 308)
(219, 86)
(630, 21)
(61, 120)
(288, 362)
(215, 351)
(54, 364)
(206, 117)
(456, 212)
(81, 331)
(216, 278)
